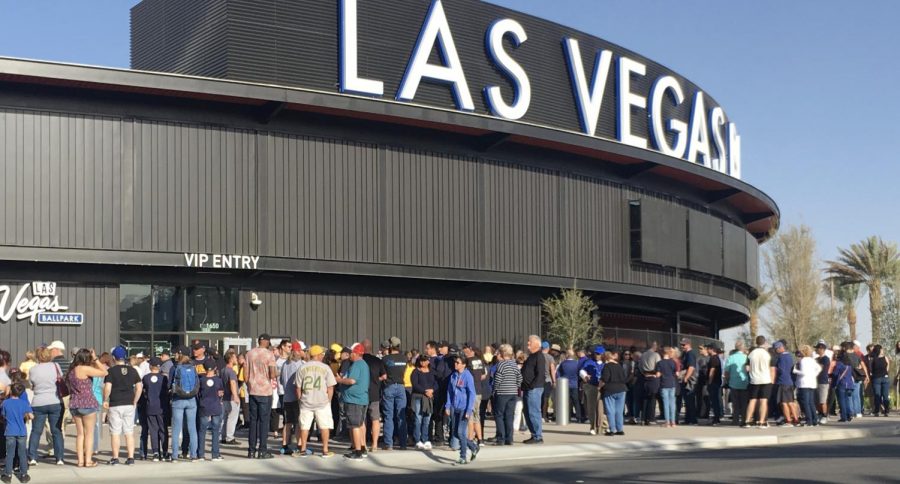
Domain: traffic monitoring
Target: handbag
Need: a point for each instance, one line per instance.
(62, 389)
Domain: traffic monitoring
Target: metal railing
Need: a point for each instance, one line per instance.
(622, 338)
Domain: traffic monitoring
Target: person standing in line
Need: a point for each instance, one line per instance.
(507, 381)
(533, 379)
(736, 377)
(185, 385)
(460, 405)
(823, 381)
(424, 384)
(844, 383)
(880, 368)
(47, 405)
(121, 393)
(646, 367)
(260, 371)
(614, 385)
(635, 383)
(478, 368)
(212, 389)
(714, 383)
(568, 369)
(549, 380)
(393, 400)
(784, 367)
(152, 403)
(667, 368)
(356, 401)
(313, 388)
(377, 377)
(82, 402)
(287, 380)
(590, 372)
(762, 374)
(689, 381)
(231, 400)
(16, 411)
(807, 371)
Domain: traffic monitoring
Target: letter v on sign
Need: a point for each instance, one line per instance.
(588, 102)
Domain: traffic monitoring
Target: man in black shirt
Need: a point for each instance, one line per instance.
(121, 391)
(533, 388)
(393, 398)
(478, 368)
(714, 383)
(441, 374)
(378, 375)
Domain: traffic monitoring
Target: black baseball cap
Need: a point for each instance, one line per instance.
(198, 345)
(443, 344)
(155, 361)
(183, 350)
(209, 364)
(264, 336)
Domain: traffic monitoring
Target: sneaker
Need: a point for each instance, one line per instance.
(156, 458)
(779, 421)
(746, 426)
(113, 462)
(420, 446)
(6, 478)
(230, 442)
(859, 415)
(304, 453)
(32, 463)
(786, 424)
(327, 455)
(620, 433)
(218, 458)
(354, 455)
(460, 462)
(364, 452)
(593, 431)
(534, 441)
(129, 461)
(426, 446)
(286, 450)
(474, 453)
(763, 425)
(265, 455)
(823, 420)
(24, 478)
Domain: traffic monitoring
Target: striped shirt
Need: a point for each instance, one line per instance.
(507, 379)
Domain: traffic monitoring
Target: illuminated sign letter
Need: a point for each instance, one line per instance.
(587, 102)
(350, 80)
(436, 29)
(698, 137)
(716, 121)
(670, 85)
(521, 84)
(627, 99)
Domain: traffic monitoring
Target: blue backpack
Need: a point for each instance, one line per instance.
(185, 384)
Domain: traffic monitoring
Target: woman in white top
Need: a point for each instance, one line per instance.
(807, 370)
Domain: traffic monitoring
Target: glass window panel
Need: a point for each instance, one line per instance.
(212, 309)
(136, 343)
(134, 308)
(167, 308)
(163, 342)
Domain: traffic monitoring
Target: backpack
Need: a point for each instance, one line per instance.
(185, 383)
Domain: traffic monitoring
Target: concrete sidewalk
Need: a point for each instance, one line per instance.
(569, 442)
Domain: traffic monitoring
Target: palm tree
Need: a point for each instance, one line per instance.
(765, 295)
(872, 262)
(848, 294)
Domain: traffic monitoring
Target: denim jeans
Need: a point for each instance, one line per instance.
(807, 397)
(615, 411)
(184, 415)
(881, 388)
(41, 415)
(668, 398)
(16, 445)
(690, 404)
(715, 401)
(504, 411)
(393, 404)
(205, 421)
(855, 404)
(460, 425)
(845, 397)
(260, 410)
(420, 429)
(533, 420)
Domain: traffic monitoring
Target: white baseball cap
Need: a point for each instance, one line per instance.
(57, 345)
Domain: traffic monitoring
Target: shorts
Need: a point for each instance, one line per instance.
(356, 414)
(82, 412)
(760, 392)
(822, 393)
(291, 412)
(375, 411)
(323, 418)
(785, 394)
(476, 407)
(121, 420)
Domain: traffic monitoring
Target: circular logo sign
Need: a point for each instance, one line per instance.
(153, 379)
(209, 383)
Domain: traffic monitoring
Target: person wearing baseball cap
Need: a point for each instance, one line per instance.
(260, 375)
(121, 392)
(291, 406)
(356, 400)
(589, 372)
(393, 398)
(315, 400)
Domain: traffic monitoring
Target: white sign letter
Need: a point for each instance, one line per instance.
(716, 121)
(350, 80)
(436, 29)
(627, 99)
(588, 102)
(521, 84)
(734, 151)
(663, 85)
(698, 137)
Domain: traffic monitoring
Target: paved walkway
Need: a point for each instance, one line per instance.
(561, 442)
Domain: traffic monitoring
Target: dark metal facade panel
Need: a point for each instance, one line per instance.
(663, 233)
(736, 261)
(752, 261)
(704, 243)
(98, 303)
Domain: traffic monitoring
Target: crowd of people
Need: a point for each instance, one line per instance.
(440, 396)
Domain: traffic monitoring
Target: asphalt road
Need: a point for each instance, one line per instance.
(857, 460)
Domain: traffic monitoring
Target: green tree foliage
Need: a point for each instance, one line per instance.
(874, 263)
(569, 318)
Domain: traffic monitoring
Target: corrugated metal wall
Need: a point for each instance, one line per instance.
(326, 318)
(131, 184)
(99, 304)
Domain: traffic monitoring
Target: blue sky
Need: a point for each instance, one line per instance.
(810, 84)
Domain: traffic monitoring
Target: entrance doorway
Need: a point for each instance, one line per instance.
(220, 342)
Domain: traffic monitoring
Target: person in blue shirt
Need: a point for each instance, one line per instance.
(152, 405)
(844, 384)
(460, 405)
(668, 380)
(784, 379)
(16, 411)
(568, 369)
(212, 389)
(356, 400)
(589, 372)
